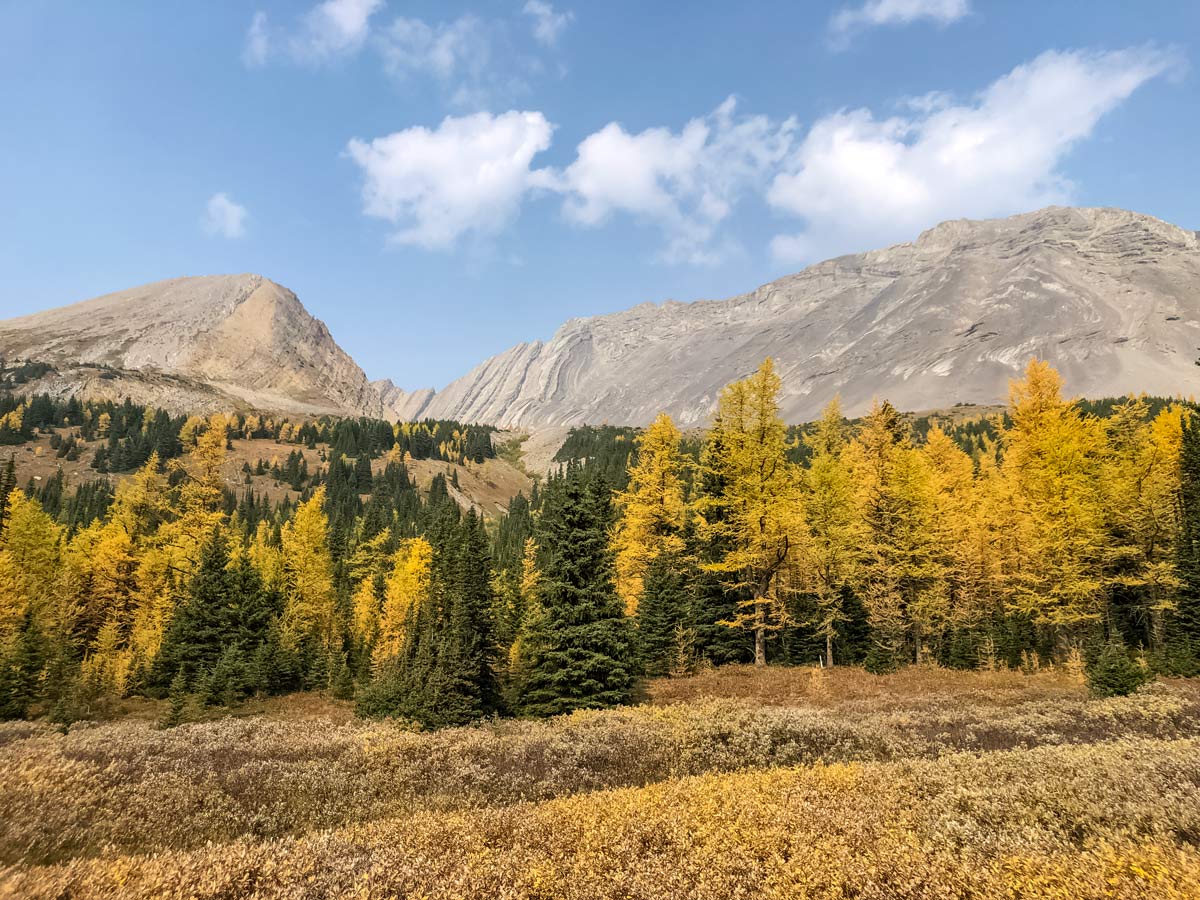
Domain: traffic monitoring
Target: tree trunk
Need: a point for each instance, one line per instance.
(829, 650)
(760, 634)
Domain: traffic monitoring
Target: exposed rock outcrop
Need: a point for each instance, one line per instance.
(1110, 297)
(191, 344)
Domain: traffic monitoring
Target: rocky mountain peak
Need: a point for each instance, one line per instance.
(1109, 296)
(195, 343)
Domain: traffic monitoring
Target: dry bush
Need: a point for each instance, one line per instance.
(792, 685)
(127, 787)
(1119, 820)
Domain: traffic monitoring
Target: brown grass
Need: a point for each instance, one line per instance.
(778, 783)
(1117, 821)
(842, 685)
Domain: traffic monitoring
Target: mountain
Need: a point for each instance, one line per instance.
(194, 344)
(1111, 297)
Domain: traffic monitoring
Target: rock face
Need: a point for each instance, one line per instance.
(401, 404)
(193, 344)
(1112, 298)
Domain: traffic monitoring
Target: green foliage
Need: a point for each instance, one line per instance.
(578, 650)
(1113, 673)
(177, 698)
(665, 615)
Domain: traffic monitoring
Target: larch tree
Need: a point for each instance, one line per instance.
(897, 573)
(651, 509)
(1052, 457)
(826, 557)
(309, 599)
(32, 550)
(407, 588)
(961, 529)
(1141, 484)
(756, 516)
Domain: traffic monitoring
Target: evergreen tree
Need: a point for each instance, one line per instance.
(177, 700)
(204, 621)
(1184, 640)
(664, 614)
(579, 651)
(21, 664)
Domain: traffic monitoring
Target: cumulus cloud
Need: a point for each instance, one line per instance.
(685, 183)
(330, 30)
(874, 13)
(859, 181)
(469, 174)
(547, 24)
(223, 217)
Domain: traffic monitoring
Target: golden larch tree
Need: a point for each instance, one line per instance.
(754, 514)
(651, 509)
(309, 602)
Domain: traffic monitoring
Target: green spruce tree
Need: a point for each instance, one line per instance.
(581, 655)
(1183, 631)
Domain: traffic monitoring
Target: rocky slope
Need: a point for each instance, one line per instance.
(194, 344)
(1110, 297)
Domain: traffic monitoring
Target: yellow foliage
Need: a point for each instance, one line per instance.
(652, 508)
(309, 602)
(407, 588)
(758, 513)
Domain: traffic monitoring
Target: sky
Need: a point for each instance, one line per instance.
(438, 181)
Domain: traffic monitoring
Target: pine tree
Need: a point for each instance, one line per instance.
(8, 484)
(579, 649)
(204, 622)
(21, 664)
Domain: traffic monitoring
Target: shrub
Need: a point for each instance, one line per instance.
(1112, 673)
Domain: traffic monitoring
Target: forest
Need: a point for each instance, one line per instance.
(1057, 532)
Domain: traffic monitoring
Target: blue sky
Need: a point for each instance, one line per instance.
(439, 181)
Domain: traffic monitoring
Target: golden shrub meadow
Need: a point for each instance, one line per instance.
(829, 783)
(898, 656)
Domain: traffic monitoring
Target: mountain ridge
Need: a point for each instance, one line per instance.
(193, 344)
(949, 317)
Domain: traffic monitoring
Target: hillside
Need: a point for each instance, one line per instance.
(1110, 297)
(194, 344)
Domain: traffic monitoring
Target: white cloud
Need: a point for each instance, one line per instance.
(224, 218)
(258, 42)
(471, 60)
(334, 28)
(547, 24)
(330, 30)
(860, 182)
(685, 183)
(895, 12)
(469, 174)
(457, 54)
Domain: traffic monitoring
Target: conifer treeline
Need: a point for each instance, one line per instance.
(880, 542)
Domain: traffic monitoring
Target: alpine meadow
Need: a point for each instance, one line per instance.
(879, 581)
